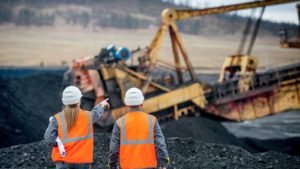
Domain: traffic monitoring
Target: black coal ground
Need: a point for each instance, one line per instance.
(27, 102)
(184, 153)
(211, 131)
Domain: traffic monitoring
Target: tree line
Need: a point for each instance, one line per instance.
(25, 17)
(32, 14)
(28, 16)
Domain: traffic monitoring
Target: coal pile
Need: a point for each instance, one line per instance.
(184, 153)
(204, 130)
(193, 154)
(27, 101)
(201, 129)
(279, 132)
(211, 131)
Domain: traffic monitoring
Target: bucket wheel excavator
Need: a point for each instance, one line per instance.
(173, 89)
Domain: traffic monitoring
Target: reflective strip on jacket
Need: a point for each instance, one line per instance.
(137, 148)
(78, 142)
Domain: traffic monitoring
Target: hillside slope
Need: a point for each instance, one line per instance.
(129, 14)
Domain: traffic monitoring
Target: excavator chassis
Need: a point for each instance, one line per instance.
(270, 93)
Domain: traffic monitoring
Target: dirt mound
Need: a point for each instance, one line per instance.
(202, 129)
(184, 153)
(199, 128)
(211, 131)
(193, 154)
(26, 104)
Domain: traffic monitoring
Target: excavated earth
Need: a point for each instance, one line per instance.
(30, 96)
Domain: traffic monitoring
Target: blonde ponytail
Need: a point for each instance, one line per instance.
(71, 113)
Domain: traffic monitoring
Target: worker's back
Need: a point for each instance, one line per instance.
(78, 141)
(137, 140)
(137, 148)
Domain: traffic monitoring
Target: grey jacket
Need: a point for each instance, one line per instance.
(52, 131)
(159, 142)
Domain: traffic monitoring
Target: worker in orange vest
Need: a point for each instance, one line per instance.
(70, 132)
(137, 140)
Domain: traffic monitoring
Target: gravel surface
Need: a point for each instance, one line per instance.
(184, 153)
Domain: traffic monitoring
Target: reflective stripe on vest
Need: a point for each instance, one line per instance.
(150, 139)
(65, 138)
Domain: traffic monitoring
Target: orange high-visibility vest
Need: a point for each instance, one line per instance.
(137, 148)
(78, 142)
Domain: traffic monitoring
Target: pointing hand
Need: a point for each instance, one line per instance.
(104, 103)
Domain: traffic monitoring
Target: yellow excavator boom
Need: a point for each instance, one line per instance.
(184, 14)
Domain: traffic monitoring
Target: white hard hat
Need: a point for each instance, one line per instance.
(133, 97)
(71, 95)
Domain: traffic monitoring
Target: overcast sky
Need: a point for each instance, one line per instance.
(278, 13)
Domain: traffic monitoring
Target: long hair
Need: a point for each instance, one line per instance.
(71, 113)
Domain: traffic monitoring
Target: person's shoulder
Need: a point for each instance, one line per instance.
(118, 121)
(150, 115)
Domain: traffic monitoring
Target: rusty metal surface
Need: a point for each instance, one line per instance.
(271, 92)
